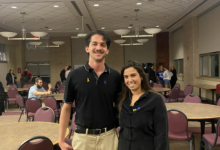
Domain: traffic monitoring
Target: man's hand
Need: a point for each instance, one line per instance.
(65, 146)
(49, 86)
(48, 92)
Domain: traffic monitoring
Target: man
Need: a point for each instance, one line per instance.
(62, 74)
(37, 90)
(2, 98)
(29, 74)
(152, 75)
(94, 87)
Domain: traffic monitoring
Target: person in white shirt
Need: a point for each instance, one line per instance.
(167, 77)
(69, 68)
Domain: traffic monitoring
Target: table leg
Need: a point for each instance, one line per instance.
(202, 124)
(213, 126)
(200, 93)
(213, 97)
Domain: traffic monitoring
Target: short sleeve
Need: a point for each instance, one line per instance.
(22, 74)
(157, 74)
(70, 93)
(29, 74)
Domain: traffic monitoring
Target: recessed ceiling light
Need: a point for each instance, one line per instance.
(157, 26)
(69, 20)
(103, 28)
(77, 28)
(50, 29)
(138, 3)
(13, 7)
(55, 6)
(96, 5)
(129, 27)
(100, 19)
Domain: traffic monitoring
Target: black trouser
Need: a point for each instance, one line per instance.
(172, 83)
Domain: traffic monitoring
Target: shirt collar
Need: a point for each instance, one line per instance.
(88, 68)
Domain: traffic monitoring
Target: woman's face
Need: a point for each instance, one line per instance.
(12, 71)
(172, 68)
(161, 68)
(132, 79)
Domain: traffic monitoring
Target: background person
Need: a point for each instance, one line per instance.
(10, 77)
(27, 74)
(167, 77)
(152, 75)
(62, 74)
(143, 114)
(37, 90)
(174, 77)
(159, 75)
(69, 68)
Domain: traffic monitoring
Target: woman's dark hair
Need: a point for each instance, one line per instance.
(69, 67)
(99, 32)
(125, 90)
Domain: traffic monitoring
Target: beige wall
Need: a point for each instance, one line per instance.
(59, 58)
(15, 56)
(142, 53)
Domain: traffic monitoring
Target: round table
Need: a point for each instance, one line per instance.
(14, 134)
(158, 89)
(197, 112)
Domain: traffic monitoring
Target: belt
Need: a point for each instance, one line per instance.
(83, 130)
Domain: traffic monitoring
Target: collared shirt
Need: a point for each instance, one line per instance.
(32, 89)
(144, 125)
(94, 96)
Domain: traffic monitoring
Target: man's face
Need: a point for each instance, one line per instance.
(26, 69)
(152, 67)
(97, 48)
(39, 84)
(66, 68)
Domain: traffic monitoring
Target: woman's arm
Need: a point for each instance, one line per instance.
(161, 141)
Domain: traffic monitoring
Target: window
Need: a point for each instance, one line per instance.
(178, 64)
(209, 64)
(2, 52)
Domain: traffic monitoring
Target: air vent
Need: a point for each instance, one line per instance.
(88, 27)
(77, 8)
(151, 0)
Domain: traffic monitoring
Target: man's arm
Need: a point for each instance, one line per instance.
(64, 121)
(41, 93)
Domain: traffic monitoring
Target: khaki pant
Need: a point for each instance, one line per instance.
(104, 141)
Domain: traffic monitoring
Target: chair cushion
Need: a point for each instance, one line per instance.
(180, 136)
(68, 141)
(168, 100)
(30, 114)
(180, 99)
(11, 99)
(210, 138)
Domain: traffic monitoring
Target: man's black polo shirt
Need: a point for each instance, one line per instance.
(94, 96)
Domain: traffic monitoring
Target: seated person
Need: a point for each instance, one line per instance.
(37, 90)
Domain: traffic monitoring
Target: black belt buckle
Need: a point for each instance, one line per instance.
(97, 130)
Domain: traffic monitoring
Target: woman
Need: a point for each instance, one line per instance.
(143, 115)
(174, 77)
(10, 77)
(167, 77)
(159, 75)
(69, 68)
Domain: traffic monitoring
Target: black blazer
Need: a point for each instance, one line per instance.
(174, 77)
(2, 98)
(9, 78)
(152, 75)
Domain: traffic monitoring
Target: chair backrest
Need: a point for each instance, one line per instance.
(12, 86)
(12, 92)
(218, 103)
(20, 100)
(62, 90)
(63, 84)
(45, 114)
(192, 98)
(44, 143)
(188, 90)
(50, 102)
(177, 122)
(177, 85)
(45, 86)
(32, 105)
(26, 86)
(151, 84)
(175, 93)
(158, 85)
